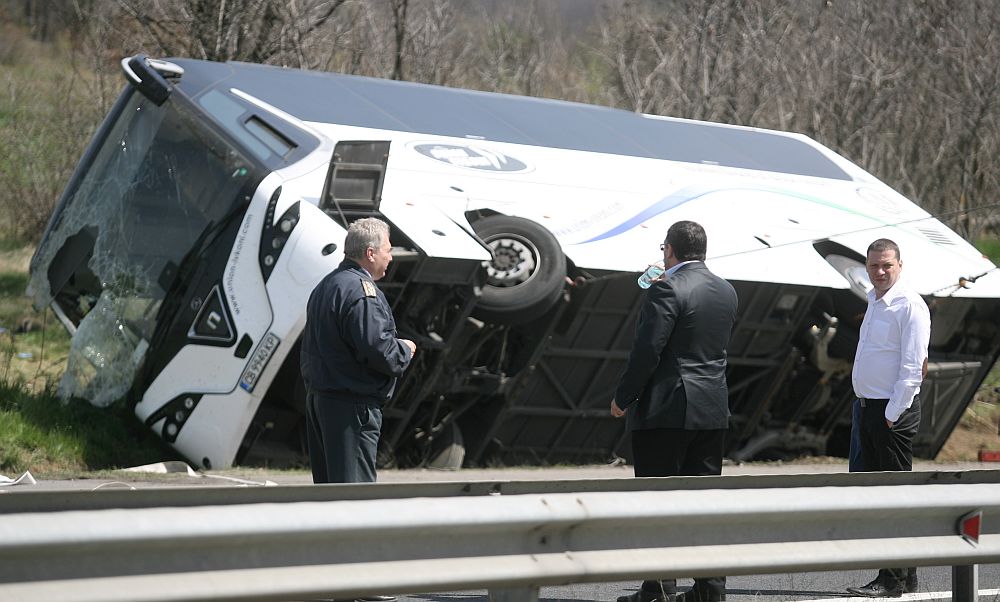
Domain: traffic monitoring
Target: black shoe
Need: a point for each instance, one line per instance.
(877, 589)
(642, 596)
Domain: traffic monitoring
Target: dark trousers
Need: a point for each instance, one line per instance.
(884, 448)
(888, 449)
(343, 439)
(679, 452)
(854, 463)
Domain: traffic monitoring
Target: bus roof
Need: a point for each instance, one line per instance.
(419, 108)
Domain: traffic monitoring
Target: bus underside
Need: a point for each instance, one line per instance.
(535, 387)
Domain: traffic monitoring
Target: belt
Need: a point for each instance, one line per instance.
(866, 402)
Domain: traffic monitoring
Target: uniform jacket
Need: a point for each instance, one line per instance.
(676, 372)
(349, 348)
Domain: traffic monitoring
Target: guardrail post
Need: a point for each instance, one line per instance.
(965, 583)
(514, 594)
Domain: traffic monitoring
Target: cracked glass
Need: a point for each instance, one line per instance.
(141, 213)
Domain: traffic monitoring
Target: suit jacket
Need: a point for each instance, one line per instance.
(676, 371)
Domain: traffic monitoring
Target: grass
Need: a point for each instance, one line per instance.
(990, 247)
(36, 344)
(39, 431)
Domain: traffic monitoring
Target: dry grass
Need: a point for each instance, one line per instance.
(16, 259)
(978, 430)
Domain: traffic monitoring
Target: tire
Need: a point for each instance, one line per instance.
(448, 450)
(527, 274)
(853, 271)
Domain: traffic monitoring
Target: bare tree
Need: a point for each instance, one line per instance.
(399, 33)
(910, 91)
(260, 31)
(438, 45)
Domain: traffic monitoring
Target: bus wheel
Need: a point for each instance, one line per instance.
(448, 450)
(528, 271)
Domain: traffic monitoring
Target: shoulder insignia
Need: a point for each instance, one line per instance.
(369, 287)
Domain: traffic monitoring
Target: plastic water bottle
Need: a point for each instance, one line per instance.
(650, 275)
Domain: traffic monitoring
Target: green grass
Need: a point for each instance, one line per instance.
(41, 433)
(38, 431)
(990, 247)
(36, 344)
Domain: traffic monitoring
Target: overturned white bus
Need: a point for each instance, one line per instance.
(214, 196)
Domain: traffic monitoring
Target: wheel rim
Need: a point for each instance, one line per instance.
(854, 272)
(515, 260)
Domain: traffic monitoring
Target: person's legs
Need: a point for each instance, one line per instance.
(703, 453)
(678, 452)
(888, 449)
(370, 422)
(314, 439)
(854, 463)
(657, 453)
(707, 589)
(891, 449)
(901, 449)
(343, 441)
(875, 457)
(703, 456)
(870, 434)
(340, 428)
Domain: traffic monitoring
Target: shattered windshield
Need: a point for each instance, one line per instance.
(154, 189)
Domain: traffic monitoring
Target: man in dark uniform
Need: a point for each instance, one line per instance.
(673, 390)
(351, 358)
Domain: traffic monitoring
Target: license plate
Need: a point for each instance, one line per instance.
(259, 361)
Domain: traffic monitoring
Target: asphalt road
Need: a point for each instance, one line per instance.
(176, 474)
(935, 582)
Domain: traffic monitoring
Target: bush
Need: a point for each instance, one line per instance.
(46, 121)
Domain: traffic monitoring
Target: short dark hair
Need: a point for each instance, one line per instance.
(884, 244)
(688, 240)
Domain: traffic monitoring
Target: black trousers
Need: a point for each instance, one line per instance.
(343, 439)
(884, 448)
(888, 449)
(678, 452)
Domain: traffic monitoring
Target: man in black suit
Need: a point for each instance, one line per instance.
(673, 390)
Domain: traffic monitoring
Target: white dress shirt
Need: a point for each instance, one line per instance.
(892, 348)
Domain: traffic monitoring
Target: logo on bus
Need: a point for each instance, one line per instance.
(470, 156)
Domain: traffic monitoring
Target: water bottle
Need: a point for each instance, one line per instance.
(650, 275)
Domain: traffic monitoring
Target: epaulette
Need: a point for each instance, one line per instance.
(369, 287)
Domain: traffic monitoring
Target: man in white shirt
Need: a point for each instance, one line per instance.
(888, 371)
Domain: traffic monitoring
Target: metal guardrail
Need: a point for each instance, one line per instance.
(27, 500)
(511, 544)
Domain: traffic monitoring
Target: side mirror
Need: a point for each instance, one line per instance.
(147, 75)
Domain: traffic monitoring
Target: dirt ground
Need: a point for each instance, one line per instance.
(978, 430)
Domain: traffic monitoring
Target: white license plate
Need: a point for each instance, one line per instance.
(259, 361)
